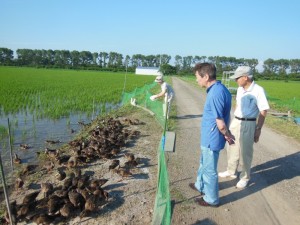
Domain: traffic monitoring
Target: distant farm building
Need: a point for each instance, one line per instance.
(147, 71)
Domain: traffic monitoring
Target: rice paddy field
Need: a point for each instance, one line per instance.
(56, 93)
(52, 104)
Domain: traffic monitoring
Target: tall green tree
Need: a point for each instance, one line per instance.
(6, 56)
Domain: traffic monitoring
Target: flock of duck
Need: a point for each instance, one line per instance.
(75, 193)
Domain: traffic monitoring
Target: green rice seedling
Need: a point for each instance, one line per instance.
(56, 93)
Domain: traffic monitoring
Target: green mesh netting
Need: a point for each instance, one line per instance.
(142, 97)
(162, 207)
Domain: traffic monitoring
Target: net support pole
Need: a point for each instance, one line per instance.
(5, 191)
(10, 145)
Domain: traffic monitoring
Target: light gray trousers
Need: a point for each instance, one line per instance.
(242, 151)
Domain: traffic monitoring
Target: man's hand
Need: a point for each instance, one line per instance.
(153, 97)
(229, 138)
(257, 135)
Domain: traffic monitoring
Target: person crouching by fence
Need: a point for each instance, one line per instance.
(167, 92)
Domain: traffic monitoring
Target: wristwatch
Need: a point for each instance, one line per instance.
(257, 128)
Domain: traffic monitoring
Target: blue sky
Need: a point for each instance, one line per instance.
(258, 29)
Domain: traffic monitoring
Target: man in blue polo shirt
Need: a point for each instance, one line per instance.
(214, 133)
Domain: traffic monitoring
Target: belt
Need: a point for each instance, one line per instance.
(246, 119)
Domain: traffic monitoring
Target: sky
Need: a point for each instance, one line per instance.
(259, 29)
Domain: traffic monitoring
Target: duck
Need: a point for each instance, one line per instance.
(47, 189)
(30, 197)
(123, 172)
(67, 210)
(76, 199)
(84, 192)
(114, 164)
(19, 183)
(95, 183)
(43, 218)
(16, 159)
(51, 153)
(115, 151)
(89, 206)
(28, 169)
(129, 156)
(72, 162)
(49, 165)
(131, 164)
(60, 175)
(100, 193)
(24, 146)
(13, 212)
(54, 203)
(53, 142)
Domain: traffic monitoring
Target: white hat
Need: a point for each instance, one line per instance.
(242, 71)
(159, 78)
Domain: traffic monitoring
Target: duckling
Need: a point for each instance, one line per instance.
(30, 197)
(83, 182)
(84, 192)
(51, 153)
(23, 210)
(60, 175)
(94, 184)
(67, 185)
(100, 193)
(63, 159)
(115, 151)
(16, 159)
(19, 183)
(89, 206)
(129, 156)
(53, 142)
(123, 172)
(48, 165)
(72, 162)
(13, 212)
(131, 164)
(61, 193)
(76, 199)
(43, 219)
(114, 164)
(47, 189)
(54, 203)
(67, 210)
(29, 169)
(24, 146)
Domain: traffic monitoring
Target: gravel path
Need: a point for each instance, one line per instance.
(273, 193)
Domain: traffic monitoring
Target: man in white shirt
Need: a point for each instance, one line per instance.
(249, 116)
(166, 91)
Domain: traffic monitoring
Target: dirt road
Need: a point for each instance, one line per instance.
(273, 194)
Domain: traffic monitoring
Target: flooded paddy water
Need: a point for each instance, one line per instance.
(30, 135)
(37, 134)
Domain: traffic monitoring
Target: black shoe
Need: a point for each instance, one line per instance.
(202, 202)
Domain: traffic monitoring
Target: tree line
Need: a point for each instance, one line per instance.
(113, 61)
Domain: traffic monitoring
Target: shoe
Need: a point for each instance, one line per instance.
(242, 184)
(192, 186)
(227, 174)
(202, 202)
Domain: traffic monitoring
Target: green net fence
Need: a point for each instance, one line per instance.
(142, 98)
(162, 206)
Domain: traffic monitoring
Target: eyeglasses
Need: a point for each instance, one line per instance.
(238, 78)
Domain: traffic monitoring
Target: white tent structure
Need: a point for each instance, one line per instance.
(147, 71)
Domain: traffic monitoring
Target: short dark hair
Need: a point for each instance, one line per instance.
(206, 68)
